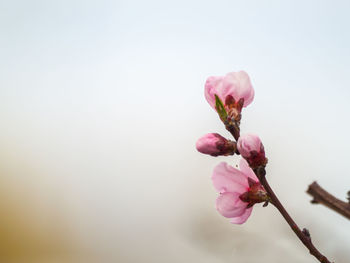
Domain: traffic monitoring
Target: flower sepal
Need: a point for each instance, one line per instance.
(220, 109)
(231, 117)
(255, 194)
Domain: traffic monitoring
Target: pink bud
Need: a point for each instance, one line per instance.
(232, 88)
(251, 148)
(214, 144)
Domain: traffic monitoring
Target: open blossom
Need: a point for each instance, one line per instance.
(252, 149)
(232, 89)
(214, 144)
(239, 191)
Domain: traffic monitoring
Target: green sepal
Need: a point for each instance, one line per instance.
(220, 108)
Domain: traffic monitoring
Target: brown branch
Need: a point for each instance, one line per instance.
(233, 126)
(304, 234)
(321, 196)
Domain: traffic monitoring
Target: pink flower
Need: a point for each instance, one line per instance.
(252, 149)
(232, 88)
(239, 191)
(214, 144)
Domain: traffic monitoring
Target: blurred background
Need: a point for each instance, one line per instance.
(101, 103)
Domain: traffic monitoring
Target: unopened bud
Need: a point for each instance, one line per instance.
(214, 144)
(251, 148)
(234, 89)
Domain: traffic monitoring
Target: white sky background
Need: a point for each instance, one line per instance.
(101, 103)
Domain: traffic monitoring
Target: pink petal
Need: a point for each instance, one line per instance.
(249, 99)
(242, 218)
(229, 205)
(246, 88)
(244, 167)
(238, 85)
(213, 86)
(228, 179)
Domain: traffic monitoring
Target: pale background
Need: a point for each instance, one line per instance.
(101, 103)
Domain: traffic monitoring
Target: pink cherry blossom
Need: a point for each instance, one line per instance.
(252, 149)
(234, 85)
(214, 144)
(232, 183)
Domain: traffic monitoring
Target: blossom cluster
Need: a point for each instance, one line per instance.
(239, 189)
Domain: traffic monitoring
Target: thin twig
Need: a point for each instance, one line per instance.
(304, 234)
(321, 196)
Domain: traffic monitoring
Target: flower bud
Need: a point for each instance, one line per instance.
(228, 95)
(214, 144)
(234, 90)
(251, 148)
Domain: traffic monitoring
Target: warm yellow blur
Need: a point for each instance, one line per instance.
(34, 226)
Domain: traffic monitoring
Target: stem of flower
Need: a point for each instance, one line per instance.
(304, 234)
(233, 128)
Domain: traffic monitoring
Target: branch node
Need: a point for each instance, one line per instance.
(306, 232)
(314, 201)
